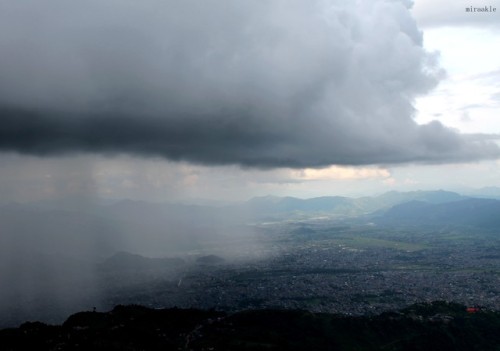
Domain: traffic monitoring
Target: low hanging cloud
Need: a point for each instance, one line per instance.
(341, 173)
(254, 83)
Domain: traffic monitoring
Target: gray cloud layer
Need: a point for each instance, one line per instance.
(265, 84)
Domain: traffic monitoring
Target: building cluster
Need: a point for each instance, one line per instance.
(330, 275)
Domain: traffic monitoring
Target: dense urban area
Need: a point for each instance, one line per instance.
(336, 255)
(322, 267)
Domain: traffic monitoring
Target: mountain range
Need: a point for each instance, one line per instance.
(474, 212)
(270, 206)
(137, 226)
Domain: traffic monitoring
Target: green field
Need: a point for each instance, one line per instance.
(360, 242)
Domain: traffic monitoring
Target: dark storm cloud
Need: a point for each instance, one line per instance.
(263, 84)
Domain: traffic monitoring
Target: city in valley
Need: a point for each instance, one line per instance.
(350, 256)
(324, 267)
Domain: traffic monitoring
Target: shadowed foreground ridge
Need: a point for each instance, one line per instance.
(435, 326)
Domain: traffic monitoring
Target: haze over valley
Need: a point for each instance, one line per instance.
(330, 254)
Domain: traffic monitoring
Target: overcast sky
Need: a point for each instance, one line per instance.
(173, 100)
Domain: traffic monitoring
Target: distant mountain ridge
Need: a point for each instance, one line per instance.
(484, 213)
(132, 225)
(154, 229)
(281, 205)
(343, 206)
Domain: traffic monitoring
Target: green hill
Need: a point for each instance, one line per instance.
(436, 326)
